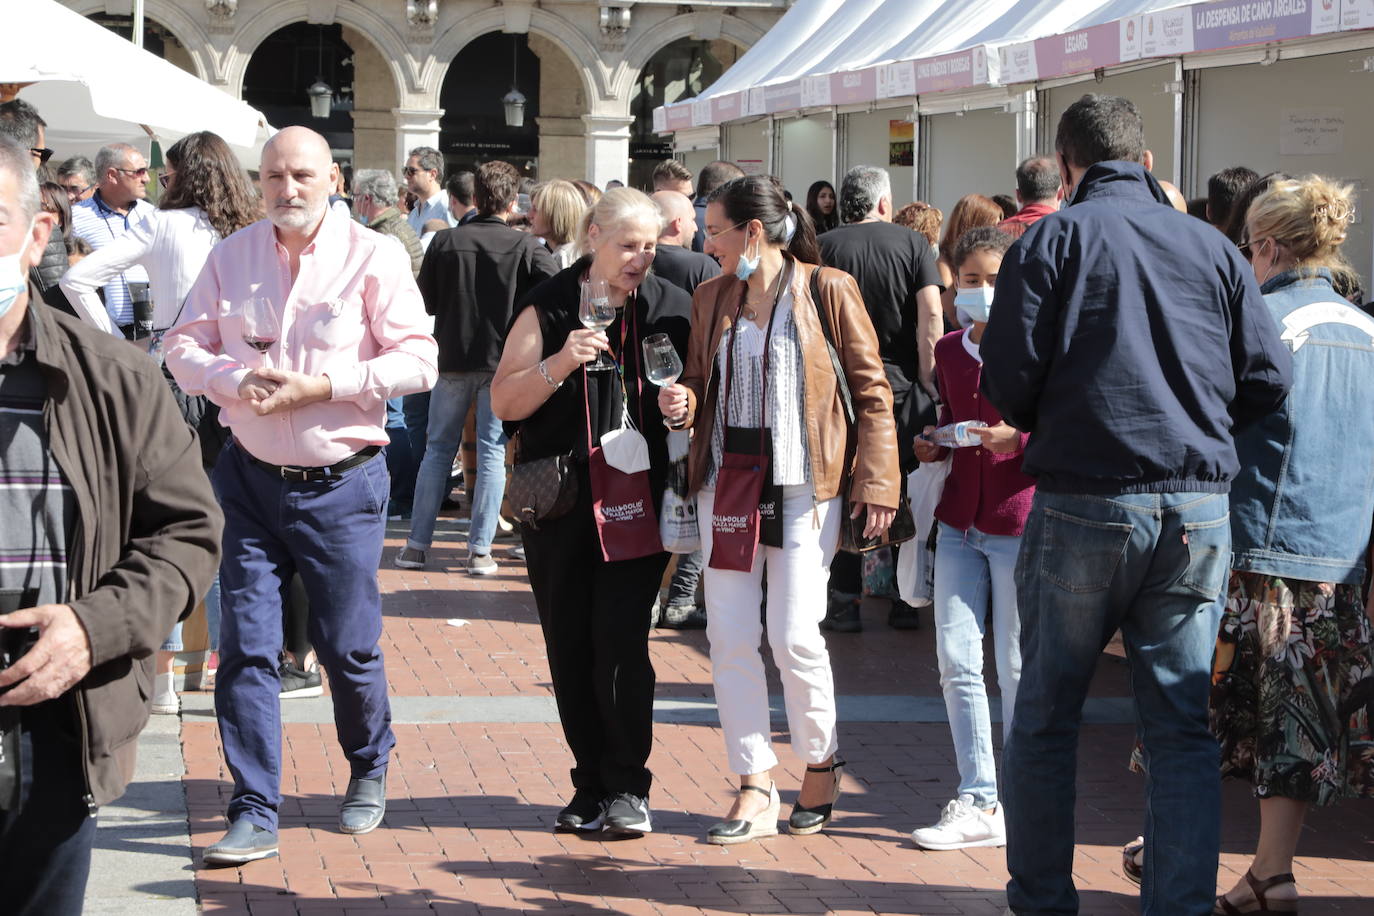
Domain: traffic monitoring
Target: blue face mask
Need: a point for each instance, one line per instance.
(745, 266)
(13, 278)
(973, 304)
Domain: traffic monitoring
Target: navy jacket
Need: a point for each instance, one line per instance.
(1130, 339)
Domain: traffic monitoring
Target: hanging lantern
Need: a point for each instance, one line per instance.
(515, 107)
(321, 99)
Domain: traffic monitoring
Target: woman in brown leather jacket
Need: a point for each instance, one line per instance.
(759, 380)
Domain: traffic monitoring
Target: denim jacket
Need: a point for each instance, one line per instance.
(1303, 503)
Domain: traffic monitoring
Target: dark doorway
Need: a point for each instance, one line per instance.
(473, 129)
(289, 61)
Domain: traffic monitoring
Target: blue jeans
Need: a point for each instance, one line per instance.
(1153, 566)
(448, 409)
(173, 642)
(330, 533)
(975, 573)
(415, 412)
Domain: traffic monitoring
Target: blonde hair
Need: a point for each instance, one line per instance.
(1310, 217)
(563, 207)
(617, 206)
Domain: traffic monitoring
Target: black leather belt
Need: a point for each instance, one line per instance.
(303, 474)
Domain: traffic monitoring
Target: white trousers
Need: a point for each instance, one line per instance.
(798, 574)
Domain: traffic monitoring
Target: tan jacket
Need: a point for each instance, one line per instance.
(863, 457)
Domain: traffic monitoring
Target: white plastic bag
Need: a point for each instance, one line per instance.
(677, 520)
(915, 559)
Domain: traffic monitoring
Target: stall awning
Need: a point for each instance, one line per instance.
(836, 53)
(101, 88)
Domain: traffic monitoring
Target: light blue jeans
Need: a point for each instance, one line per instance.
(1153, 566)
(453, 393)
(174, 643)
(975, 574)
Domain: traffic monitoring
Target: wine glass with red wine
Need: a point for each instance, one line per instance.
(261, 326)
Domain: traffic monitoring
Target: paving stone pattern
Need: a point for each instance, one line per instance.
(468, 826)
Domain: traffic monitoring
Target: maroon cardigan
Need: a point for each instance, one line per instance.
(984, 491)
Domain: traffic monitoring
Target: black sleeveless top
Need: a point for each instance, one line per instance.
(558, 427)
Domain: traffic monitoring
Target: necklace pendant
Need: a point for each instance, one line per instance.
(750, 314)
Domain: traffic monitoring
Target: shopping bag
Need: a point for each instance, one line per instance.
(915, 558)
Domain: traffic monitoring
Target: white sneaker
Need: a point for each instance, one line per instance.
(963, 825)
(165, 702)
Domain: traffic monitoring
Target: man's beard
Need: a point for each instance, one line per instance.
(296, 213)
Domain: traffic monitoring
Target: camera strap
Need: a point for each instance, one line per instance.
(13, 644)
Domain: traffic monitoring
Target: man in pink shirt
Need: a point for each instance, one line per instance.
(302, 484)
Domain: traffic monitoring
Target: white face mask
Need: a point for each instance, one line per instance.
(13, 277)
(973, 304)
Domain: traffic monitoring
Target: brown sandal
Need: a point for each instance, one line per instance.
(1260, 904)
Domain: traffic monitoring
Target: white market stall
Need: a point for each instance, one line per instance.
(101, 89)
(1218, 83)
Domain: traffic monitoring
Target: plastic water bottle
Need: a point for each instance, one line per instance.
(958, 435)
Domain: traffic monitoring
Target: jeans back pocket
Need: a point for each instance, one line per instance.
(1209, 556)
(1082, 555)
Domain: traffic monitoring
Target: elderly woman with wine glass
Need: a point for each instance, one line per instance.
(573, 387)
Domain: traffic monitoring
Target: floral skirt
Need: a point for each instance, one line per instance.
(1293, 689)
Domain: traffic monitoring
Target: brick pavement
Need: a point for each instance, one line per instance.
(468, 824)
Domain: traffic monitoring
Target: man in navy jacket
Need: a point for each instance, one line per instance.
(1130, 340)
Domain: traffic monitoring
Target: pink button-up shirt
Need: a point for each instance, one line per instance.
(353, 314)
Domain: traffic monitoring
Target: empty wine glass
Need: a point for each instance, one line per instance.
(597, 314)
(662, 365)
(261, 326)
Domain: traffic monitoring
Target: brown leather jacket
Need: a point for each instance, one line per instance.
(863, 457)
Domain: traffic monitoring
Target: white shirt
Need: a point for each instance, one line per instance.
(172, 245)
(434, 208)
(970, 347)
(100, 225)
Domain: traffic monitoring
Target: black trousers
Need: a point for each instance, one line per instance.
(595, 617)
(46, 842)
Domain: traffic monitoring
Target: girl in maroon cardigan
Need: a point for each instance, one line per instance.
(981, 514)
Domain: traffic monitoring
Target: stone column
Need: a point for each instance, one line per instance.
(414, 127)
(562, 148)
(608, 148)
(374, 140)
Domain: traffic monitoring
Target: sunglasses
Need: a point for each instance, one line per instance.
(42, 152)
(141, 173)
(410, 170)
(75, 191)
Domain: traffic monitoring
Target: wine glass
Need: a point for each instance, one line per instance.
(662, 365)
(261, 326)
(597, 314)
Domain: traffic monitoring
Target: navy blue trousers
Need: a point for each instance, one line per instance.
(330, 533)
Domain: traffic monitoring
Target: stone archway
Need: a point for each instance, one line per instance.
(193, 52)
(572, 84)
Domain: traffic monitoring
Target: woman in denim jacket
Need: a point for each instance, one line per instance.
(1293, 662)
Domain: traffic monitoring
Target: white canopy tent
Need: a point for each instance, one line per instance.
(103, 89)
(816, 39)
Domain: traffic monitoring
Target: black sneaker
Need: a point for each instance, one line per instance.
(626, 814)
(842, 616)
(297, 683)
(583, 813)
(683, 617)
(903, 616)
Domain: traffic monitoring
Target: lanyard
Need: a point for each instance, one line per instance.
(630, 325)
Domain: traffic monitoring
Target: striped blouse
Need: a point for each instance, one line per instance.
(791, 465)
